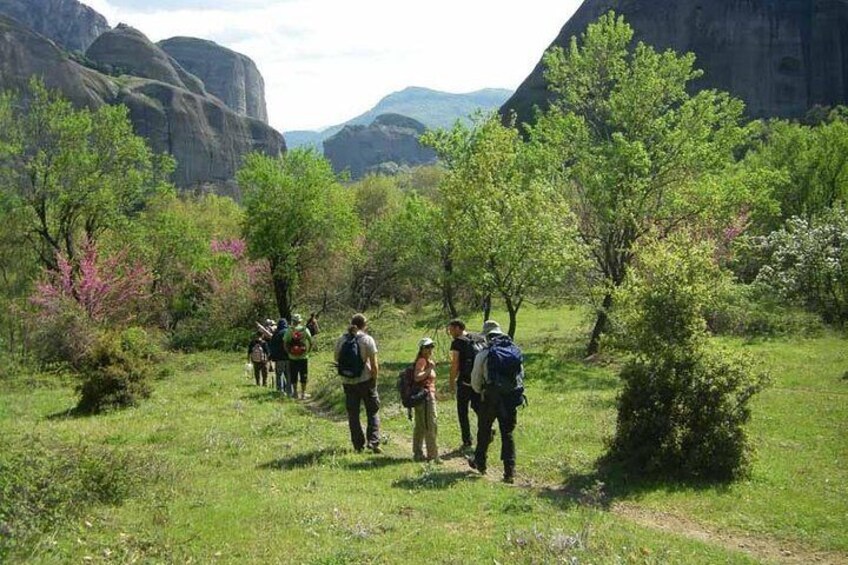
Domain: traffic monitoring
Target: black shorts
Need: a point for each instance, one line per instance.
(298, 370)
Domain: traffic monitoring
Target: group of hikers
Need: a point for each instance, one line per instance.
(284, 349)
(486, 376)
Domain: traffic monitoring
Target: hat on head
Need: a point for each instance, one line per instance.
(426, 342)
(296, 318)
(491, 327)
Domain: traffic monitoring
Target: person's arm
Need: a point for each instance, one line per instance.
(375, 367)
(477, 372)
(454, 368)
(422, 369)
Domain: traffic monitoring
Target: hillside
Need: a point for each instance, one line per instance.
(433, 108)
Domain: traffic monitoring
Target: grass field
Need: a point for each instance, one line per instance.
(213, 468)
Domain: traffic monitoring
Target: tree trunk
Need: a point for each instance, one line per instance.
(512, 309)
(281, 294)
(600, 326)
(448, 301)
(487, 307)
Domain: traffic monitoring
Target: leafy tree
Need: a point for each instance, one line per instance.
(297, 216)
(516, 228)
(72, 174)
(636, 152)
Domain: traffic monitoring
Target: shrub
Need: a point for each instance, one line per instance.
(113, 376)
(42, 485)
(683, 407)
(807, 261)
(743, 310)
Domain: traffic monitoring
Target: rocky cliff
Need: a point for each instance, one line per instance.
(388, 144)
(207, 139)
(230, 76)
(72, 25)
(781, 57)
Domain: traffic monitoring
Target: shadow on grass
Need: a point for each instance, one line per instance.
(304, 460)
(261, 395)
(430, 480)
(376, 463)
(612, 481)
(553, 372)
(69, 414)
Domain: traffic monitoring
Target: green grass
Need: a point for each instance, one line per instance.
(246, 477)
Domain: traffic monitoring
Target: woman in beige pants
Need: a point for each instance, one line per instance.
(425, 413)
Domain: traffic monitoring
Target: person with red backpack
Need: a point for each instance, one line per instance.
(297, 342)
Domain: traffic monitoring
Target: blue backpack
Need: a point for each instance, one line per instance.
(505, 373)
(350, 363)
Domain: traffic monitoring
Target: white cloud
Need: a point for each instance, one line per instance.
(325, 61)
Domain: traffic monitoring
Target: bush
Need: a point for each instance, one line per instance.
(742, 310)
(113, 376)
(683, 407)
(42, 486)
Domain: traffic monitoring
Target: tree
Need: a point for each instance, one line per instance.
(635, 151)
(517, 231)
(297, 215)
(72, 174)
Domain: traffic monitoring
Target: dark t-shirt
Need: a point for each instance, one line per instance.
(463, 345)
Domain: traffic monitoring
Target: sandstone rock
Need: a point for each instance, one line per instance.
(207, 139)
(389, 143)
(230, 76)
(128, 51)
(780, 57)
(72, 25)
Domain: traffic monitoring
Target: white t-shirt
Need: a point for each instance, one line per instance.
(367, 348)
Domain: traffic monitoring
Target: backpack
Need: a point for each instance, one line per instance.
(312, 327)
(257, 353)
(472, 344)
(350, 363)
(297, 344)
(411, 394)
(505, 373)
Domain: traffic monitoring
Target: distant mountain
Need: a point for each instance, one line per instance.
(432, 108)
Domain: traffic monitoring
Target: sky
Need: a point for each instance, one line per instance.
(327, 61)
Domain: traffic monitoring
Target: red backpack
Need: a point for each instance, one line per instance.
(297, 345)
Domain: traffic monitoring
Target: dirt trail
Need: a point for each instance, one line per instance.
(762, 548)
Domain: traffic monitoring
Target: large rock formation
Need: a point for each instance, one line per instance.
(388, 144)
(72, 25)
(126, 50)
(207, 139)
(230, 76)
(781, 57)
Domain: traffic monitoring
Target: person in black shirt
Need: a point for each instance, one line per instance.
(463, 349)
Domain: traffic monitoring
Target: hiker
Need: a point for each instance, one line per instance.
(280, 357)
(356, 358)
(312, 324)
(426, 429)
(298, 343)
(499, 381)
(463, 349)
(257, 353)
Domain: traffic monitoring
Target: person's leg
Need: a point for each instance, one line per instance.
(256, 372)
(463, 398)
(294, 368)
(304, 376)
(287, 377)
(264, 373)
(485, 419)
(418, 430)
(507, 419)
(431, 428)
(372, 409)
(278, 375)
(352, 400)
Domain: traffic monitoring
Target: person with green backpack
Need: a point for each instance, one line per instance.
(297, 342)
(498, 376)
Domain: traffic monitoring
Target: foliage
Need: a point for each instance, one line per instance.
(810, 163)
(807, 261)
(636, 152)
(73, 174)
(683, 407)
(297, 216)
(523, 238)
(745, 310)
(44, 484)
(114, 374)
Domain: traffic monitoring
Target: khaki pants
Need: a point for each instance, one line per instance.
(425, 430)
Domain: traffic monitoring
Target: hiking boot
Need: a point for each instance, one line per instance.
(472, 462)
(418, 458)
(375, 449)
(509, 474)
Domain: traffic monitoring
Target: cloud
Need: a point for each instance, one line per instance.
(326, 61)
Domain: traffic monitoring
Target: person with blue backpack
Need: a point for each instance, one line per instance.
(498, 376)
(356, 359)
